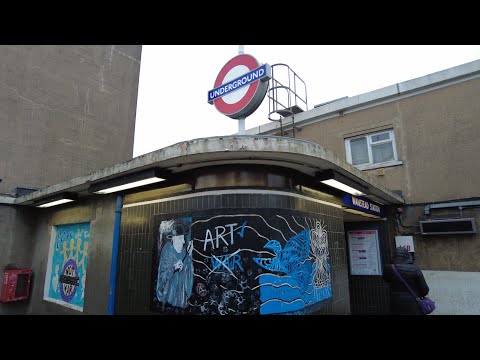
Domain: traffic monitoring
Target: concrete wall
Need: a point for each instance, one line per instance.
(456, 252)
(440, 142)
(65, 110)
(100, 214)
(16, 247)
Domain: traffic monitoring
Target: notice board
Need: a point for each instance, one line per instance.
(364, 252)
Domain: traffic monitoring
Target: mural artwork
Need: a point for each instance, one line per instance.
(175, 269)
(66, 274)
(250, 263)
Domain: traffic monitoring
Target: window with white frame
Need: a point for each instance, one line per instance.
(372, 150)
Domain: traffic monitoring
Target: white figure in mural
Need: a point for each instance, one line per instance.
(175, 269)
(83, 286)
(55, 279)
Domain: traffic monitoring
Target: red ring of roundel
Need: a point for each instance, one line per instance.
(242, 59)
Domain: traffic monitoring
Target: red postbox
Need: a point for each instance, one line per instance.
(16, 285)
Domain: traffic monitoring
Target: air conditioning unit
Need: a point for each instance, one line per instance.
(448, 226)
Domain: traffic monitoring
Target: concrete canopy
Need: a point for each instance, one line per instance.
(304, 156)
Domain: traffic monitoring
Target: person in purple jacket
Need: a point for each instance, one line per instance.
(402, 301)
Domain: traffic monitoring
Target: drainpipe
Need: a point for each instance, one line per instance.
(114, 261)
(459, 204)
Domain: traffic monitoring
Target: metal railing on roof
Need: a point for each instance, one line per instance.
(287, 94)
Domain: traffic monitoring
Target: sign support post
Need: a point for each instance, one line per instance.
(241, 120)
(241, 126)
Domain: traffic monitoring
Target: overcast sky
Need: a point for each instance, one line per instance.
(175, 79)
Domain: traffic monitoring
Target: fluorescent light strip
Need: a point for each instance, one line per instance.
(129, 185)
(53, 203)
(342, 186)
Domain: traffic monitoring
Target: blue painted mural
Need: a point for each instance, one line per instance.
(250, 263)
(68, 258)
(294, 274)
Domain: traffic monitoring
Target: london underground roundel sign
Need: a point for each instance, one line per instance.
(240, 86)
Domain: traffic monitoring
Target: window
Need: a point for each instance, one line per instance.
(372, 150)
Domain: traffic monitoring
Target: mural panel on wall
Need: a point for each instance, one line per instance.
(67, 265)
(251, 263)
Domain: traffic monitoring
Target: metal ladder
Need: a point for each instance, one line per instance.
(287, 95)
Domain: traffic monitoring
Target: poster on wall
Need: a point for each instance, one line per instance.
(67, 265)
(406, 242)
(364, 252)
(250, 263)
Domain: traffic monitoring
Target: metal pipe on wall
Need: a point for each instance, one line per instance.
(114, 262)
(459, 204)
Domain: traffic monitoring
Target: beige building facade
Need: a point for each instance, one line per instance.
(419, 138)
